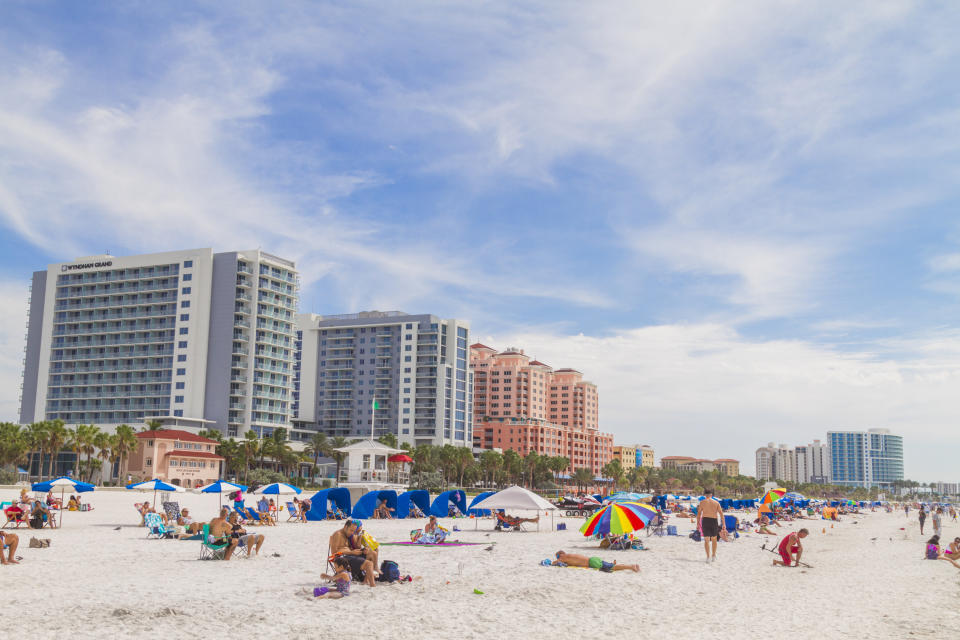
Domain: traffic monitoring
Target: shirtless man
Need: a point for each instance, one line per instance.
(222, 530)
(709, 522)
(791, 549)
(187, 521)
(360, 566)
(576, 560)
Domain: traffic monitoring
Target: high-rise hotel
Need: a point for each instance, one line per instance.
(415, 367)
(184, 334)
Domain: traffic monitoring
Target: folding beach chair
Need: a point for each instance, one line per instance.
(732, 524)
(294, 514)
(172, 509)
(155, 527)
(504, 524)
(15, 515)
(209, 551)
(657, 526)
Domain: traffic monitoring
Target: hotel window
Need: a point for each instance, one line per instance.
(185, 290)
(184, 304)
(181, 372)
(187, 277)
(173, 463)
(187, 264)
(183, 331)
(149, 461)
(184, 317)
(182, 357)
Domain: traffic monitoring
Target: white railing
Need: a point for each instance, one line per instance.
(374, 475)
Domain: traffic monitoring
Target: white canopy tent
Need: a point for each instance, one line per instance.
(517, 499)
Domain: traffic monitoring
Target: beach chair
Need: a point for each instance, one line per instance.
(504, 524)
(293, 512)
(209, 551)
(657, 526)
(155, 527)
(15, 516)
(255, 516)
(732, 524)
(172, 509)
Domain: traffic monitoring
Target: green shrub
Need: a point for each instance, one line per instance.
(258, 477)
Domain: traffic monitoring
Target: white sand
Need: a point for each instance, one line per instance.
(95, 581)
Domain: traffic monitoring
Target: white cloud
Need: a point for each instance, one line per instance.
(705, 390)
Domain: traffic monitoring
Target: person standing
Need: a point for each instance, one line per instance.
(922, 517)
(938, 521)
(709, 523)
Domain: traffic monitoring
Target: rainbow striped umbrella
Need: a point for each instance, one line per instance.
(618, 518)
(773, 495)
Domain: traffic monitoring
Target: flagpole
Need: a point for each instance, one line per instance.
(373, 420)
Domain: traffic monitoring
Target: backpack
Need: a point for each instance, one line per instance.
(695, 536)
(389, 571)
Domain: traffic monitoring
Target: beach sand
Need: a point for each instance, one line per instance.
(95, 581)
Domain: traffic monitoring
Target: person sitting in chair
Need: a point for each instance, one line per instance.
(240, 538)
(188, 523)
(360, 566)
(383, 511)
(415, 511)
(512, 521)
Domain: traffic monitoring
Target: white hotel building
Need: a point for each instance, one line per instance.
(187, 335)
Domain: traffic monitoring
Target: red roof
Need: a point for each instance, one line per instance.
(677, 458)
(538, 363)
(174, 434)
(726, 460)
(481, 346)
(190, 453)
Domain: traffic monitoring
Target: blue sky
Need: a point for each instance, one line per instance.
(739, 219)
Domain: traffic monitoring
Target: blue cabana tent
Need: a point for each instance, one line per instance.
(480, 512)
(441, 504)
(318, 503)
(419, 497)
(370, 500)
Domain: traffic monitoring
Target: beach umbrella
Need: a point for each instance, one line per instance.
(400, 457)
(618, 518)
(154, 485)
(63, 482)
(623, 496)
(221, 487)
(277, 489)
(773, 495)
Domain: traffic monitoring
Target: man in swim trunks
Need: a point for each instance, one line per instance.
(709, 522)
(576, 560)
(360, 566)
(791, 549)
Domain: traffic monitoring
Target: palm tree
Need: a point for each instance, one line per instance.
(37, 438)
(338, 442)
(153, 425)
(316, 448)
(74, 442)
(56, 436)
(389, 439)
(614, 471)
(89, 446)
(125, 442)
(582, 477)
(512, 464)
(104, 444)
(462, 461)
(490, 463)
(252, 447)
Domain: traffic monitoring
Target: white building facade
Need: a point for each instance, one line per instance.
(415, 367)
(804, 464)
(181, 334)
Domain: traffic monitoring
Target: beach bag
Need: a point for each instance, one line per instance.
(389, 571)
(695, 536)
(36, 522)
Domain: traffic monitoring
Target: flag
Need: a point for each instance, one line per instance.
(376, 405)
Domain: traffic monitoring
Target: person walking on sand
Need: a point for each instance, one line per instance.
(938, 522)
(709, 523)
(922, 517)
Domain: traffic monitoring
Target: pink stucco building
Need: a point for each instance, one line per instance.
(525, 405)
(177, 457)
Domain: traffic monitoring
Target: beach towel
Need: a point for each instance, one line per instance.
(451, 543)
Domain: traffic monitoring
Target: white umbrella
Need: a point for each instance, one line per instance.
(517, 498)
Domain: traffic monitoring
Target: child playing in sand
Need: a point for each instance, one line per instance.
(341, 579)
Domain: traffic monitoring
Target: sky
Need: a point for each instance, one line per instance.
(739, 219)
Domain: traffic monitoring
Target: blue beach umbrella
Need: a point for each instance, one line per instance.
(221, 487)
(277, 489)
(154, 485)
(63, 482)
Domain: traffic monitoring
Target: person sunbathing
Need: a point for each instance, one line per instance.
(954, 550)
(415, 512)
(9, 541)
(764, 522)
(263, 511)
(565, 559)
(361, 567)
(934, 552)
(187, 521)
